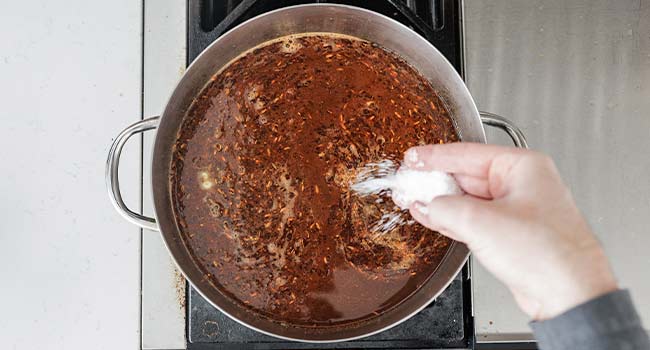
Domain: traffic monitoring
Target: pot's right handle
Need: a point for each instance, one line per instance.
(112, 167)
(506, 125)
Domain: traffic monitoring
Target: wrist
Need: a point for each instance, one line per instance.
(589, 278)
(573, 297)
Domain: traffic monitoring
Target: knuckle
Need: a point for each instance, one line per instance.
(547, 161)
(542, 161)
(549, 164)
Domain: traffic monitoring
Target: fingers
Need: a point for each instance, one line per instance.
(458, 217)
(473, 185)
(464, 158)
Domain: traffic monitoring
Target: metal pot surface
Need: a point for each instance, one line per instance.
(313, 18)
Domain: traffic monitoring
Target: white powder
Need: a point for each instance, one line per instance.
(404, 185)
(409, 186)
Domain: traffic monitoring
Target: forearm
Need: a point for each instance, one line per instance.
(607, 322)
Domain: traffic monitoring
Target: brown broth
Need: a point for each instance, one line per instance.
(261, 170)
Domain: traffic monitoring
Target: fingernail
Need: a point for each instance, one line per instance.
(423, 209)
(411, 156)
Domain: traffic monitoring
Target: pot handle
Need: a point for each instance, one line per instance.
(112, 167)
(506, 125)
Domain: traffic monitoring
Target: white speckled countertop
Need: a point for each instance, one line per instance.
(70, 80)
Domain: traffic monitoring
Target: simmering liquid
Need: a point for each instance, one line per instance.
(261, 174)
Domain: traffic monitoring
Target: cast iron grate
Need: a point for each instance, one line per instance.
(439, 21)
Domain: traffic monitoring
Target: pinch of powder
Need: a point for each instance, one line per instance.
(406, 186)
(410, 186)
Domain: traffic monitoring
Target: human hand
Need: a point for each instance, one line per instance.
(520, 221)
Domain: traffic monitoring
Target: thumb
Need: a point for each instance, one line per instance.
(458, 217)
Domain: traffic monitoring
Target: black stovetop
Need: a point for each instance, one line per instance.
(446, 323)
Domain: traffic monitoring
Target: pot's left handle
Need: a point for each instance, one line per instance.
(112, 167)
(506, 125)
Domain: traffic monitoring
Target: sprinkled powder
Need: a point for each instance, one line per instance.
(405, 186)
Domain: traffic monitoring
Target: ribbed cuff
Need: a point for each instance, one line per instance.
(607, 322)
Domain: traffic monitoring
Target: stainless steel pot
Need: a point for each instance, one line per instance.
(323, 18)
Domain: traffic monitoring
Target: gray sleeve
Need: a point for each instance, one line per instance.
(607, 322)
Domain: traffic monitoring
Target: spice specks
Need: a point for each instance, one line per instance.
(273, 143)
